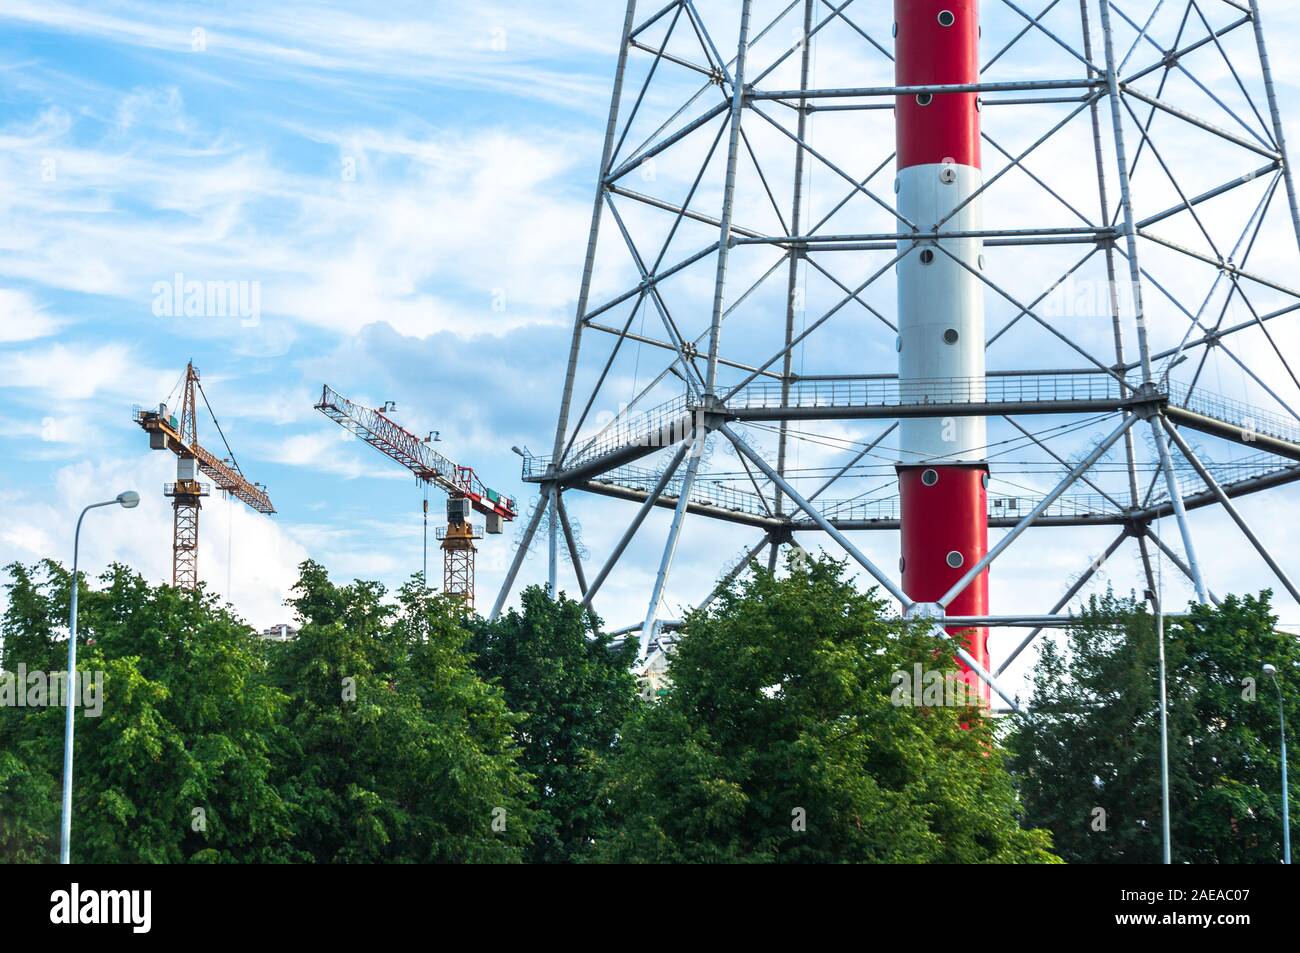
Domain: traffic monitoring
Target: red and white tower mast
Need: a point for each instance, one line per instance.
(943, 475)
(1091, 88)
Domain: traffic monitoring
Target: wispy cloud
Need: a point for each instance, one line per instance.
(436, 231)
(493, 47)
(22, 319)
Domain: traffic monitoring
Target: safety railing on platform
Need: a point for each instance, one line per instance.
(1238, 413)
(660, 425)
(891, 392)
(704, 491)
(1001, 506)
(668, 422)
(724, 496)
(1228, 474)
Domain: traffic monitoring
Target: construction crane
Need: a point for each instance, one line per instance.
(181, 437)
(465, 491)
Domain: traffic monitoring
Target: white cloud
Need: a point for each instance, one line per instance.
(70, 371)
(164, 106)
(261, 554)
(497, 48)
(333, 452)
(21, 319)
(440, 231)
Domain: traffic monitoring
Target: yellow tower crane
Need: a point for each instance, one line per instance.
(180, 435)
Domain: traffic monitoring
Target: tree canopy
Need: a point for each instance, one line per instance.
(1087, 755)
(572, 690)
(370, 737)
(396, 727)
(177, 767)
(395, 748)
(780, 741)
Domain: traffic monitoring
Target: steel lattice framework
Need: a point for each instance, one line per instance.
(1139, 240)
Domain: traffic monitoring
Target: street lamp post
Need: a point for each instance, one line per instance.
(128, 500)
(1166, 844)
(1271, 671)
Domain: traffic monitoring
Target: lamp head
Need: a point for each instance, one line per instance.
(129, 500)
(1270, 670)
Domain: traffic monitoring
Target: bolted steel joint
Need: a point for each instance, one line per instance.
(925, 612)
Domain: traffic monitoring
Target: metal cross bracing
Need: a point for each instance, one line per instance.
(1132, 237)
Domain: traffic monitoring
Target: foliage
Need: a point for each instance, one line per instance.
(213, 746)
(572, 690)
(779, 742)
(395, 728)
(399, 751)
(177, 766)
(1092, 739)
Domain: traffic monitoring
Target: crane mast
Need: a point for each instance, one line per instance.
(465, 491)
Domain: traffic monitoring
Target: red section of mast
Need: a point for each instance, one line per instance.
(951, 516)
(942, 475)
(927, 53)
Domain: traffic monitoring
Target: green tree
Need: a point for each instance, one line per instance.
(572, 690)
(29, 788)
(175, 766)
(1091, 742)
(779, 742)
(34, 621)
(397, 750)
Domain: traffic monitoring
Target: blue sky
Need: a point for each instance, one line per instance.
(408, 185)
(385, 178)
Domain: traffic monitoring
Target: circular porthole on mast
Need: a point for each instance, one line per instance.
(924, 99)
(955, 559)
(930, 477)
(946, 18)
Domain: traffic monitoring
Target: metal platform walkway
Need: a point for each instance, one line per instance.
(723, 500)
(632, 436)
